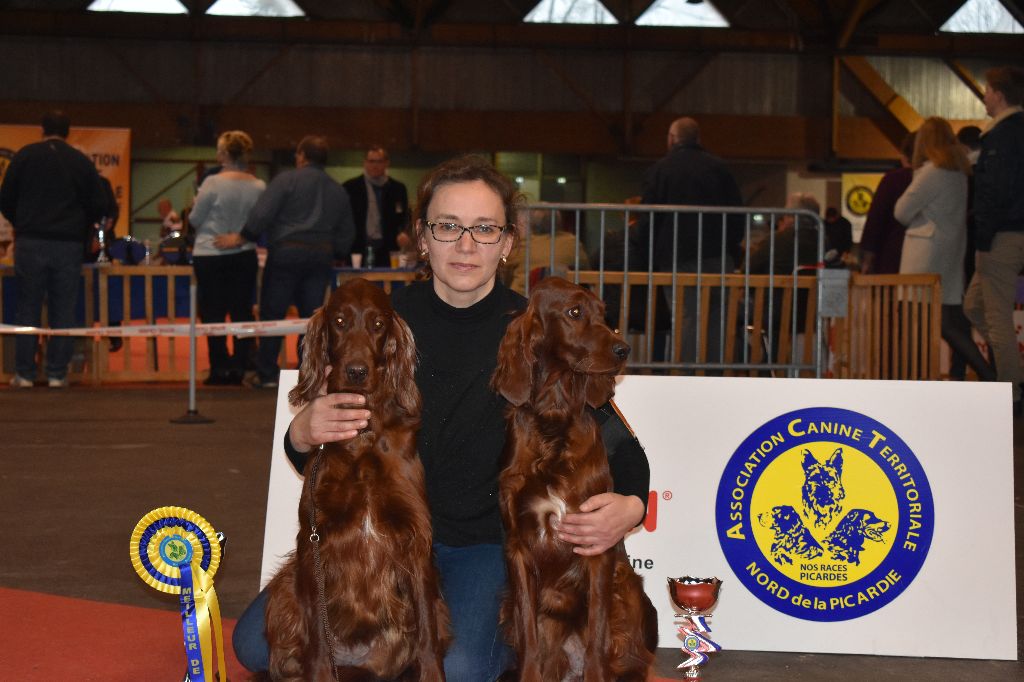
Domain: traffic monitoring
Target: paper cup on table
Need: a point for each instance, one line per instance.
(357, 260)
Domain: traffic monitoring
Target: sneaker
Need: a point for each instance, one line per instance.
(258, 383)
(54, 382)
(18, 381)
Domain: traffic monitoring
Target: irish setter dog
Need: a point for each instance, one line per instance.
(379, 600)
(568, 616)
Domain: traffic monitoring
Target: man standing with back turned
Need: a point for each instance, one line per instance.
(999, 223)
(308, 222)
(52, 195)
(689, 175)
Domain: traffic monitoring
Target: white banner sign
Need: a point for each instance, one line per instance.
(859, 517)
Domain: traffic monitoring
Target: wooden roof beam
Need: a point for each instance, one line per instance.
(965, 75)
(215, 29)
(852, 20)
(869, 77)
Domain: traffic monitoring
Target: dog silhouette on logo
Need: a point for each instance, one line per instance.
(846, 542)
(792, 537)
(823, 491)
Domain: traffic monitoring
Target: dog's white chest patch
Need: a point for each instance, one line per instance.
(369, 530)
(549, 510)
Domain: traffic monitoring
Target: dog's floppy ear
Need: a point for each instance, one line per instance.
(313, 370)
(400, 366)
(513, 378)
(809, 460)
(836, 460)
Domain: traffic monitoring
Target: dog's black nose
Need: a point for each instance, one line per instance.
(357, 372)
(621, 351)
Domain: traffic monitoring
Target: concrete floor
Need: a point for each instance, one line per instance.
(81, 467)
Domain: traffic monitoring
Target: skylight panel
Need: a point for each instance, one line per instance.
(683, 13)
(982, 16)
(256, 8)
(138, 6)
(570, 12)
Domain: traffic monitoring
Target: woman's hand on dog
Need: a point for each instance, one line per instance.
(601, 522)
(328, 419)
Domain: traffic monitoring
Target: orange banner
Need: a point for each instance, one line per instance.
(109, 148)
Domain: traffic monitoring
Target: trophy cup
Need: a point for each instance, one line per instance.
(102, 228)
(695, 597)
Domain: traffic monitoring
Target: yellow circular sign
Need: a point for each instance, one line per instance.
(858, 199)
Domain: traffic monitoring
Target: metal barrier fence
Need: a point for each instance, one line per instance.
(696, 288)
(753, 299)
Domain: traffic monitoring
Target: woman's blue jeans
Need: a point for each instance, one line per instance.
(472, 583)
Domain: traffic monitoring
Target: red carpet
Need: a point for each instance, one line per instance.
(48, 638)
(58, 638)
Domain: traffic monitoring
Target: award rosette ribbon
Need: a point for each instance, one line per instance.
(177, 551)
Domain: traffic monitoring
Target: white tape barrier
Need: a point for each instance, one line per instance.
(269, 328)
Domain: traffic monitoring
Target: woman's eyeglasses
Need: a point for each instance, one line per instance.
(481, 234)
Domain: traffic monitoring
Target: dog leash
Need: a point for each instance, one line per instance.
(314, 538)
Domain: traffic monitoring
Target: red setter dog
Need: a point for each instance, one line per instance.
(374, 587)
(569, 617)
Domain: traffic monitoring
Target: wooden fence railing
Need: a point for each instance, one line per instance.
(160, 294)
(892, 329)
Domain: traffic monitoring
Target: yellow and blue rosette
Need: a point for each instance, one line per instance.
(175, 550)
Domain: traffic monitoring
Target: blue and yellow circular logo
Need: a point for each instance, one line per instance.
(176, 550)
(824, 514)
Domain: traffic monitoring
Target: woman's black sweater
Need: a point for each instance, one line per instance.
(463, 425)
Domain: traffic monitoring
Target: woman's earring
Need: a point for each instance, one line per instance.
(423, 254)
(504, 260)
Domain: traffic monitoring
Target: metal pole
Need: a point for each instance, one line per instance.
(192, 415)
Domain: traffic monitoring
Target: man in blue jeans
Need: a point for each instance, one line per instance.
(52, 195)
(308, 222)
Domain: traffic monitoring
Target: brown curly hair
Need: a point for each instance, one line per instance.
(461, 169)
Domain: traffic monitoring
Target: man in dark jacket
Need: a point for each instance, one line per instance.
(52, 195)
(380, 207)
(689, 175)
(999, 223)
(306, 217)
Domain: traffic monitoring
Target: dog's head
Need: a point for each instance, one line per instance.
(560, 348)
(782, 519)
(823, 482)
(356, 343)
(863, 523)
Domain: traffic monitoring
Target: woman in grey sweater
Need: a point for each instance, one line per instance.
(934, 209)
(226, 277)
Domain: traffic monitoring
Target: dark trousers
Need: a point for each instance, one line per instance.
(692, 322)
(956, 331)
(50, 270)
(226, 286)
(472, 584)
(296, 276)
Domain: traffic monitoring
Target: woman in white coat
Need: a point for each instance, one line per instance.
(934, 209)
